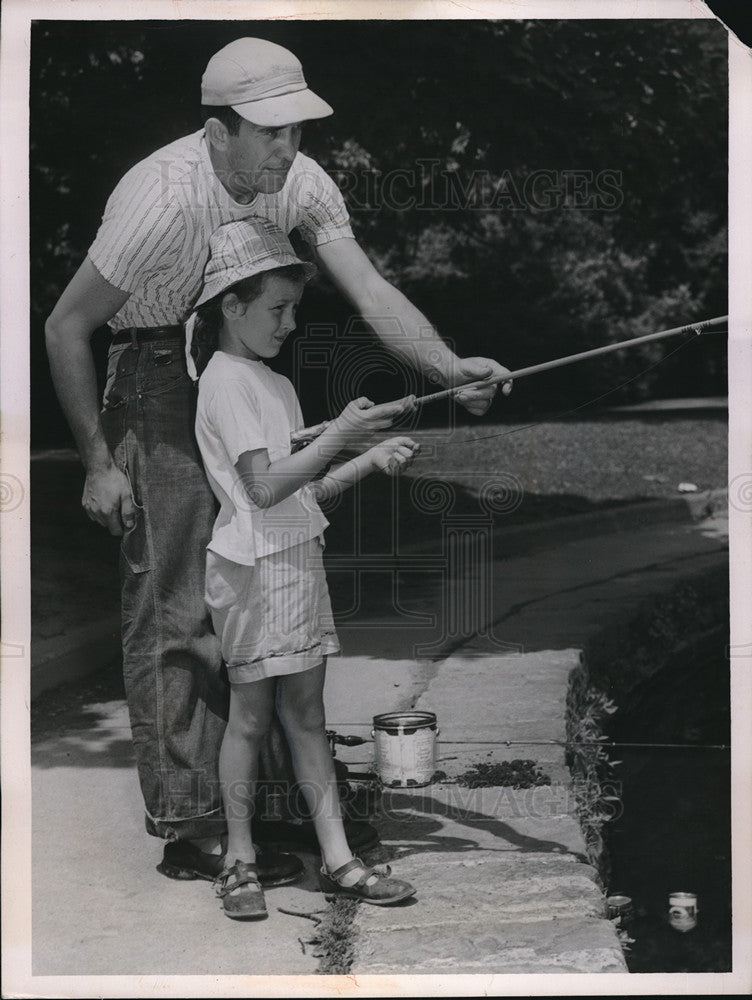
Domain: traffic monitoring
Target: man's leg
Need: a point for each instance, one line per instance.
(177, 698)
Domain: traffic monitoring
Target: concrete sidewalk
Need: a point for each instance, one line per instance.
(503, 881)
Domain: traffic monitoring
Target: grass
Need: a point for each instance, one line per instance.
(334, 938)
(591, 766)
(596, 460)
(530, 472)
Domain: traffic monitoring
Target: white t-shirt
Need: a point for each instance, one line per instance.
(154, 238)
(243, 406)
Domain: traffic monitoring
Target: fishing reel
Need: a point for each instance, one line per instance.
(359, 791)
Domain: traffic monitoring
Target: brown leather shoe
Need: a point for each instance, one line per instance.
(240, 891)
(382, 892)
(183, 860)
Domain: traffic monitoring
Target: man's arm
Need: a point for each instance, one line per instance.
(87, 303)
(401, 327)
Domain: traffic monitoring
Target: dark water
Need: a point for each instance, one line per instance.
(675, 830)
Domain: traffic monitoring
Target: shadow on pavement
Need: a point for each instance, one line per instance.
(419, 829)
(83, 724)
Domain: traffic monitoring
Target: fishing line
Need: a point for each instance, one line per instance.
(307, 434)
(575, 743)
(566, 413)
(606, 745)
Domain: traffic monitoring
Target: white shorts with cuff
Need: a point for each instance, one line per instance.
(275, 617)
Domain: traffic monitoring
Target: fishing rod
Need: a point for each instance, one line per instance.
(705, 326)
(570, 359)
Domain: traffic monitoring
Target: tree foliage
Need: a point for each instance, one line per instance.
(537, 187)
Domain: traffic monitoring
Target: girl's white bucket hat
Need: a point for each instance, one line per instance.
(244, 248)
(239, 250)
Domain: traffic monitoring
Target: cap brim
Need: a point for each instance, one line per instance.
(286, 109)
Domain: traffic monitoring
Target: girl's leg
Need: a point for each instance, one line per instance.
(251, 708)
(301, 710)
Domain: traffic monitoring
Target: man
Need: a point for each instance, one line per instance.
(144, 478)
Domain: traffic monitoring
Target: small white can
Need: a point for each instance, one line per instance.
(405, 745)
(682, 911)
(619, 908)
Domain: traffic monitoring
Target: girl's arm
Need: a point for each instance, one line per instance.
(392, 457)
(268, 483)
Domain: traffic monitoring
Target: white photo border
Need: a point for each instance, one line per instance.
(18, 980)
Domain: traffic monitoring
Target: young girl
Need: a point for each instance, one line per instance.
(265, 582)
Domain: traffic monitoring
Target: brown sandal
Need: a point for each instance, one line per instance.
(382, 892)
(248, 903)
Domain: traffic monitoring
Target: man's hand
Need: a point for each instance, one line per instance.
(477, 401)
(87, 303)
(362, 416)
(401, 327)
(107, 499)
(394, 456)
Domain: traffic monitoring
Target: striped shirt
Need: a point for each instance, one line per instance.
(154, 238)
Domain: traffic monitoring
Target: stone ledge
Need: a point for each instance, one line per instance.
(498, 893)
(576, 945)
(514, 864)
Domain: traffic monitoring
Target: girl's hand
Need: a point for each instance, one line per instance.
(395, 455)
(362, 416)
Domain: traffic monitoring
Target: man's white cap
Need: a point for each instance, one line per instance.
(263, 82)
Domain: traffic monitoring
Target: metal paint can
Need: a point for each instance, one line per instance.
(405, 744)
(682, 911)
(619, 908)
